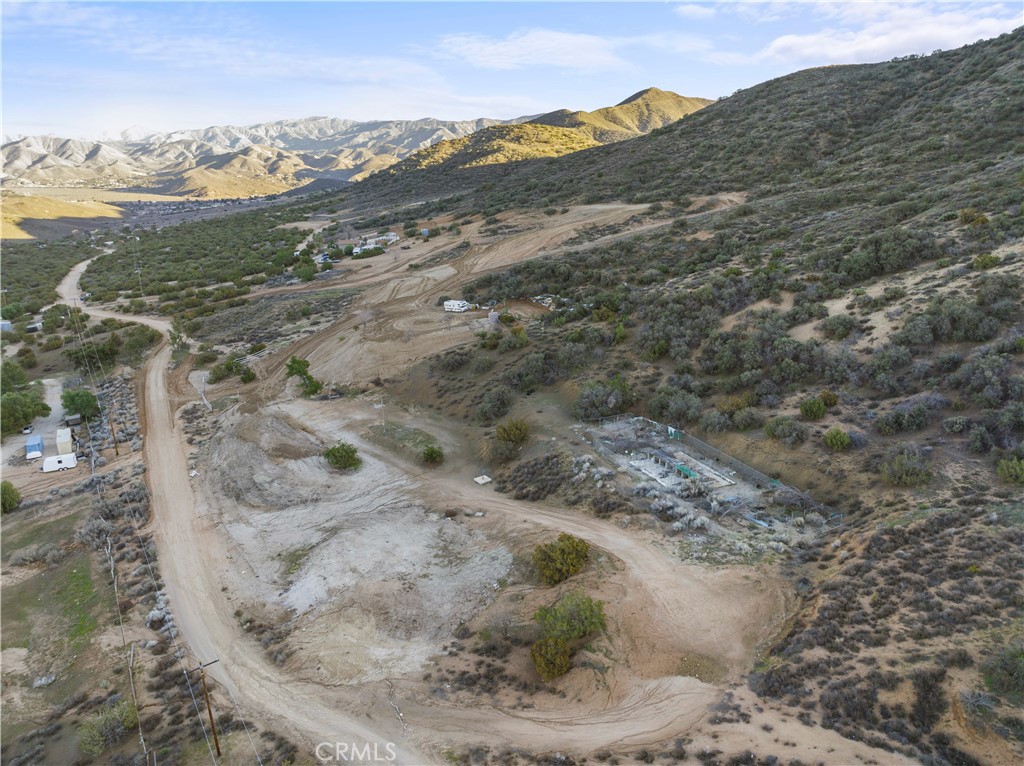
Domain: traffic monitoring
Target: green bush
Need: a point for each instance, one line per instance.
(107, 727)
(838, 327)
(572, 617)
(10, 497)
(1011, 469)
(829, 398)
(433, 455)
(247, 375)
(837, 439)
(558, 561)
(985, 261)
(551, 657)
(343, 456)
(812, 409)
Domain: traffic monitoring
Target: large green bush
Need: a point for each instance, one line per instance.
(559, 560)
(813, 408)
(551, 657)
(10, 497)
(837, 439)
(572, 617)
(1011, 469)
(343, 456)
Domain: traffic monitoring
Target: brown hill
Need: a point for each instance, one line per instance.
(639, 114)
(557, 133)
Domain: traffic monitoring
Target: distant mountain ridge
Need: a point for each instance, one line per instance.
(558, 133)
(231, 160)
(273, 157)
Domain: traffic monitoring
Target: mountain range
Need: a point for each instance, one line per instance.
(232, 161)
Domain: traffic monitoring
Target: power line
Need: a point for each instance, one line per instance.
(171, 631)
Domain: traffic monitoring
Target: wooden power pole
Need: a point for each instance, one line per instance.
(209, 709)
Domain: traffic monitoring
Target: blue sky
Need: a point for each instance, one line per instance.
(91, 70)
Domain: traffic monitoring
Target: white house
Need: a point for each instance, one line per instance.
(457, 306)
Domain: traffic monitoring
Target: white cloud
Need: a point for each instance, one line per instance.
(533, 47)
(892, 30)
(697, 12)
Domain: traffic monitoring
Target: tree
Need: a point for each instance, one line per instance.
(559, 560)
(11, 376)
(572, 617)
(343, 456)
(296, 366)
(551, 657)
(10, 497)
(78, 400)
(19, 408)
(433, 455)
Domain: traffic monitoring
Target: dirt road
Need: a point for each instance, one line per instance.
(199, 568)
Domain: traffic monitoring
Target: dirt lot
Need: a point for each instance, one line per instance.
(329, 597)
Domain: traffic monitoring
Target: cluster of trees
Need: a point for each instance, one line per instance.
(20, 402)
(564, 624)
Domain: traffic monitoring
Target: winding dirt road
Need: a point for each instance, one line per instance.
(194, 556)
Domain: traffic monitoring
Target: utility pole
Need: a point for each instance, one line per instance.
(206, 694)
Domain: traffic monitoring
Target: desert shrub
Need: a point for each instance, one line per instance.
(598, 400)
(929, 697)
(890, 423)
(984, 261)
(494, 404)
(812, 409)
(905, 466)
(747, 418)
(956, 424)
(715, 422)
(1010, 469)
(514, 431)
(1004, 672)
(433, 455)
(837, 327)
(837, 439)
(515, 339)
(107, 727)
(343, 456)
(572, 617)
(980, 441)
(829, 398)
(10, 497)
(551, 658)
(557, 561)
(452, 361)
(675, 406)
(786, 430)
(247, 375)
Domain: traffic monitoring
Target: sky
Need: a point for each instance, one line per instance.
(93, 70)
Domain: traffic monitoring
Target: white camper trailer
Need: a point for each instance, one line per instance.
(59, 463)
(457, 306)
